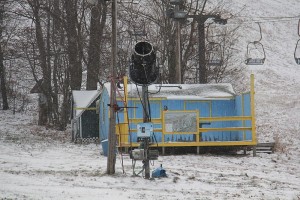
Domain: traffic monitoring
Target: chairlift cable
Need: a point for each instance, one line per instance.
(299, 27)
(259, 21)
(297, 59)
(259, 31)
(286, 17)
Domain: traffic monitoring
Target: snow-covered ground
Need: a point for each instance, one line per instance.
(33, 166)
(36, 163)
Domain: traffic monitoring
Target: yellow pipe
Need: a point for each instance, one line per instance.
(80, 108)
(225, 129)
(253, 122)
(189, 144)
(233, 118)
(201, 119)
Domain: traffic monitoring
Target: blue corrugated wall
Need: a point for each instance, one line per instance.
(103, 115)
(240, 106)
(243, 108)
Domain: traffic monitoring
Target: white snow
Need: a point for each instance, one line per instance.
(83, 99)
(39, 167)
(185, 91)
(36, 163)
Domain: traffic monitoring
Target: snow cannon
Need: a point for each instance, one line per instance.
(159, 172)
(143, 69)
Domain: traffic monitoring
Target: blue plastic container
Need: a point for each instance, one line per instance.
(159, 172)
(104, 144)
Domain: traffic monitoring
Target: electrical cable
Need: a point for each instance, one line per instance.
(149, 107)
(152, 164)
(155, 139)
(136, 174)
(129, 129)
(118, 119)
(144, 108)
(121, 154)
(158, 89)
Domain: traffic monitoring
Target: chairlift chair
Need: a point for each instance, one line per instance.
(258, 46)
(296, 54)
(297, 58)
(214, 54)
(256, 60)
(213, 51)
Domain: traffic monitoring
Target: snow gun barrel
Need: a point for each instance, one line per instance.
(143, 69)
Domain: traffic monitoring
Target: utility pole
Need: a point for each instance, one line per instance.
(176, 9)
(178, 49)
(178, 15)
(145, 120)
(111, 157)
(201, 19)
(201, 50)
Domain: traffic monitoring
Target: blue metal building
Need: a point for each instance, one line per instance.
(184, 115)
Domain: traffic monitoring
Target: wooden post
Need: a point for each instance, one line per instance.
(111, 157)
(254, 151)
(201, 51)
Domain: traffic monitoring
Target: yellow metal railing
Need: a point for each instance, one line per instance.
(123, 134)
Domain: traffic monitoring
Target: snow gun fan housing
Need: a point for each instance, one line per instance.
(143, 69)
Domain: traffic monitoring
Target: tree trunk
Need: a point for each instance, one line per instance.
(98, 19)
(73, 49)
(45, 97)
(2, 68)
(94, 48)
(3, 82)
(172, 59)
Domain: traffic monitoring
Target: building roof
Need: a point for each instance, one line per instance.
(83, 99)
(183, 91)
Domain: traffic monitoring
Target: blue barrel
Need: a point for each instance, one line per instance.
(104, 144)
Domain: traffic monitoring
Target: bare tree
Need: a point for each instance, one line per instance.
(97, 27)
(64, 39)
(2, 67)
(74, 45)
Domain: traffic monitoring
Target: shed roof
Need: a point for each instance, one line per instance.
(183, 91)
(83, 99)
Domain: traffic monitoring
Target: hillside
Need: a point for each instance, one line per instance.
(277, 81)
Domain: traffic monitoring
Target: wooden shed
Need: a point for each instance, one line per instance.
(85, 120)
(184, 115)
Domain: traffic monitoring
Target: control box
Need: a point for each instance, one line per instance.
(144, 130)
(137, 154)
